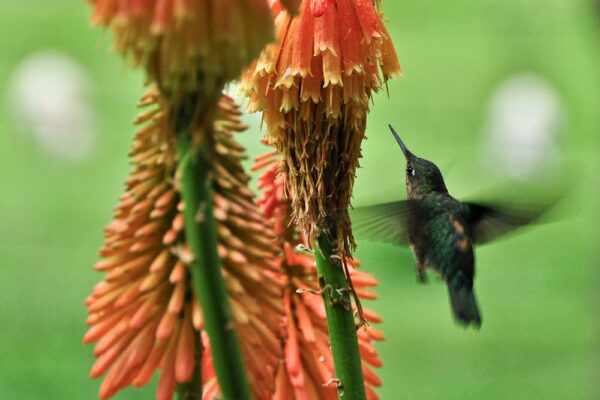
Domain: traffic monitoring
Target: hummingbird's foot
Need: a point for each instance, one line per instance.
(338, 385)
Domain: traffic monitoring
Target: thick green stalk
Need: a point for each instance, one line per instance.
(207, 279)
(340, 320)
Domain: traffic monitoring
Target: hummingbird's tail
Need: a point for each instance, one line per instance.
(464, 305)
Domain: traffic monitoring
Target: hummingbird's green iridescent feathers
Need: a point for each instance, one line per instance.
(387, 222)
(381, 222)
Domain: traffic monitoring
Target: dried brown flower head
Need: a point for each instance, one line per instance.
(313, 87)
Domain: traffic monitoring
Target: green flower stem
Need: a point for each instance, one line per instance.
(207, 279)
(340, 320)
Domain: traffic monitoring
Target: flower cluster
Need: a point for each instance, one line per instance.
(144, 315)
(196, 45)
(308, 361)
(189, 48)
(313, 87)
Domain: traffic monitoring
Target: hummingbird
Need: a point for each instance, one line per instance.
(440, 230)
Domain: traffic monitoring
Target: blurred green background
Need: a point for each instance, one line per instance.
(537, 290)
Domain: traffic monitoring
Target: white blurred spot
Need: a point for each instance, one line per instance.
(50, 95)
(525, 118)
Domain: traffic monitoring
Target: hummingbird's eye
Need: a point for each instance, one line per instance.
(410, 170)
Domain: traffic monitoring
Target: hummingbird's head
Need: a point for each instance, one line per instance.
(422, 176)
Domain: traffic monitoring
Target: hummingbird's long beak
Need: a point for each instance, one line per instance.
(406, 152)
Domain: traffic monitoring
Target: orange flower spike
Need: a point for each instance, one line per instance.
(144, 314)
(308, 360)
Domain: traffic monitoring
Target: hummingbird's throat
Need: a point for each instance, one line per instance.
(417, 190)
(410, 193)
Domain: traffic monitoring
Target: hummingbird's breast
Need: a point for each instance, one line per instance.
(438, 235)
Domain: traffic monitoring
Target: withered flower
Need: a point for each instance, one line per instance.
(313, 87)
(308, 363)
(144, 315)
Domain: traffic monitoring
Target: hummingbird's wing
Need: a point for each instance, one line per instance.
(381, 222)
(489, 222)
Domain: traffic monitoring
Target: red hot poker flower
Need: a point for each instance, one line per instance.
(144, 315)
(308, 362)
